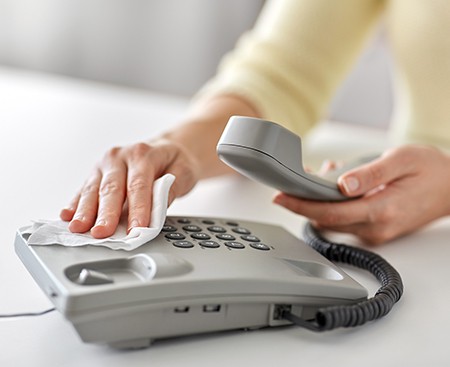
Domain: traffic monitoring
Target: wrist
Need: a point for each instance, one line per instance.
(446, 172)
(200, 131)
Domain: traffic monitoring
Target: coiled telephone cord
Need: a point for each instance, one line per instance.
(379, 305)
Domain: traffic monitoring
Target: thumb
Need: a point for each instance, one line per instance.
(381, 171)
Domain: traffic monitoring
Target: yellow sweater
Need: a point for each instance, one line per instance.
(299, 51)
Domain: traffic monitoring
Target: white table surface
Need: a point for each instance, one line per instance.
(52, 131)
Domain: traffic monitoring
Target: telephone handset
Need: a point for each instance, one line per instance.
(267, 152)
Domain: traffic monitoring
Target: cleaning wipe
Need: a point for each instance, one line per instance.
(47, 232)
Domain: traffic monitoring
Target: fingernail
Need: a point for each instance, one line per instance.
(351, 184)
(79, 218)
(134, 223)
(66, 214)
(326, 164)
(76, 225)
(100, 223)
(278, 200)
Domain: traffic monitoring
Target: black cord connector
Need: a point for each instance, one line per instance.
(379, 305)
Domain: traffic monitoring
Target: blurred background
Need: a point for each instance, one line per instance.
(167, 46)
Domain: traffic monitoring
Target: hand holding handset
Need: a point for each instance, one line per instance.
(267, 152)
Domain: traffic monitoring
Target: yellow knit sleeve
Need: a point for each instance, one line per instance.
(291, 62)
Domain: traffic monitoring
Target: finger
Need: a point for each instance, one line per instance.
(369, 233)
(362, 231)
(111, 197)
(326, 167)
(381, 171)
(139, 194)
(327, 213)
(68, 212)
(141, 175)
(86, 211)
(173, 160)
(186, 174)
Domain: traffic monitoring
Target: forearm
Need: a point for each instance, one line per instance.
(290, 64)
(203, 127)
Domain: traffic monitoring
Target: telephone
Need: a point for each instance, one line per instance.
(210, 274)
(198, 275)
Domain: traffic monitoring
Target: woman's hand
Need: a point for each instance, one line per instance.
(398, 193)
(127, 175)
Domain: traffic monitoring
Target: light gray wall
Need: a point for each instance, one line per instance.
(171, 46)
(166, 45)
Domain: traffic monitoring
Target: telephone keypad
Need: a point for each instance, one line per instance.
(202, 230)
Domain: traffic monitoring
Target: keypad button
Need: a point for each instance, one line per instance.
(209, 244)
(234, 244)
(200, 236)
(260, 246)
(250, 238)
(183, 244)
(175, 236)
(217, 229)
(233, 224)
(240, 230)
(169, 228)
(208, 222)
(183, 221)
(192, 228)
(225, 237)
